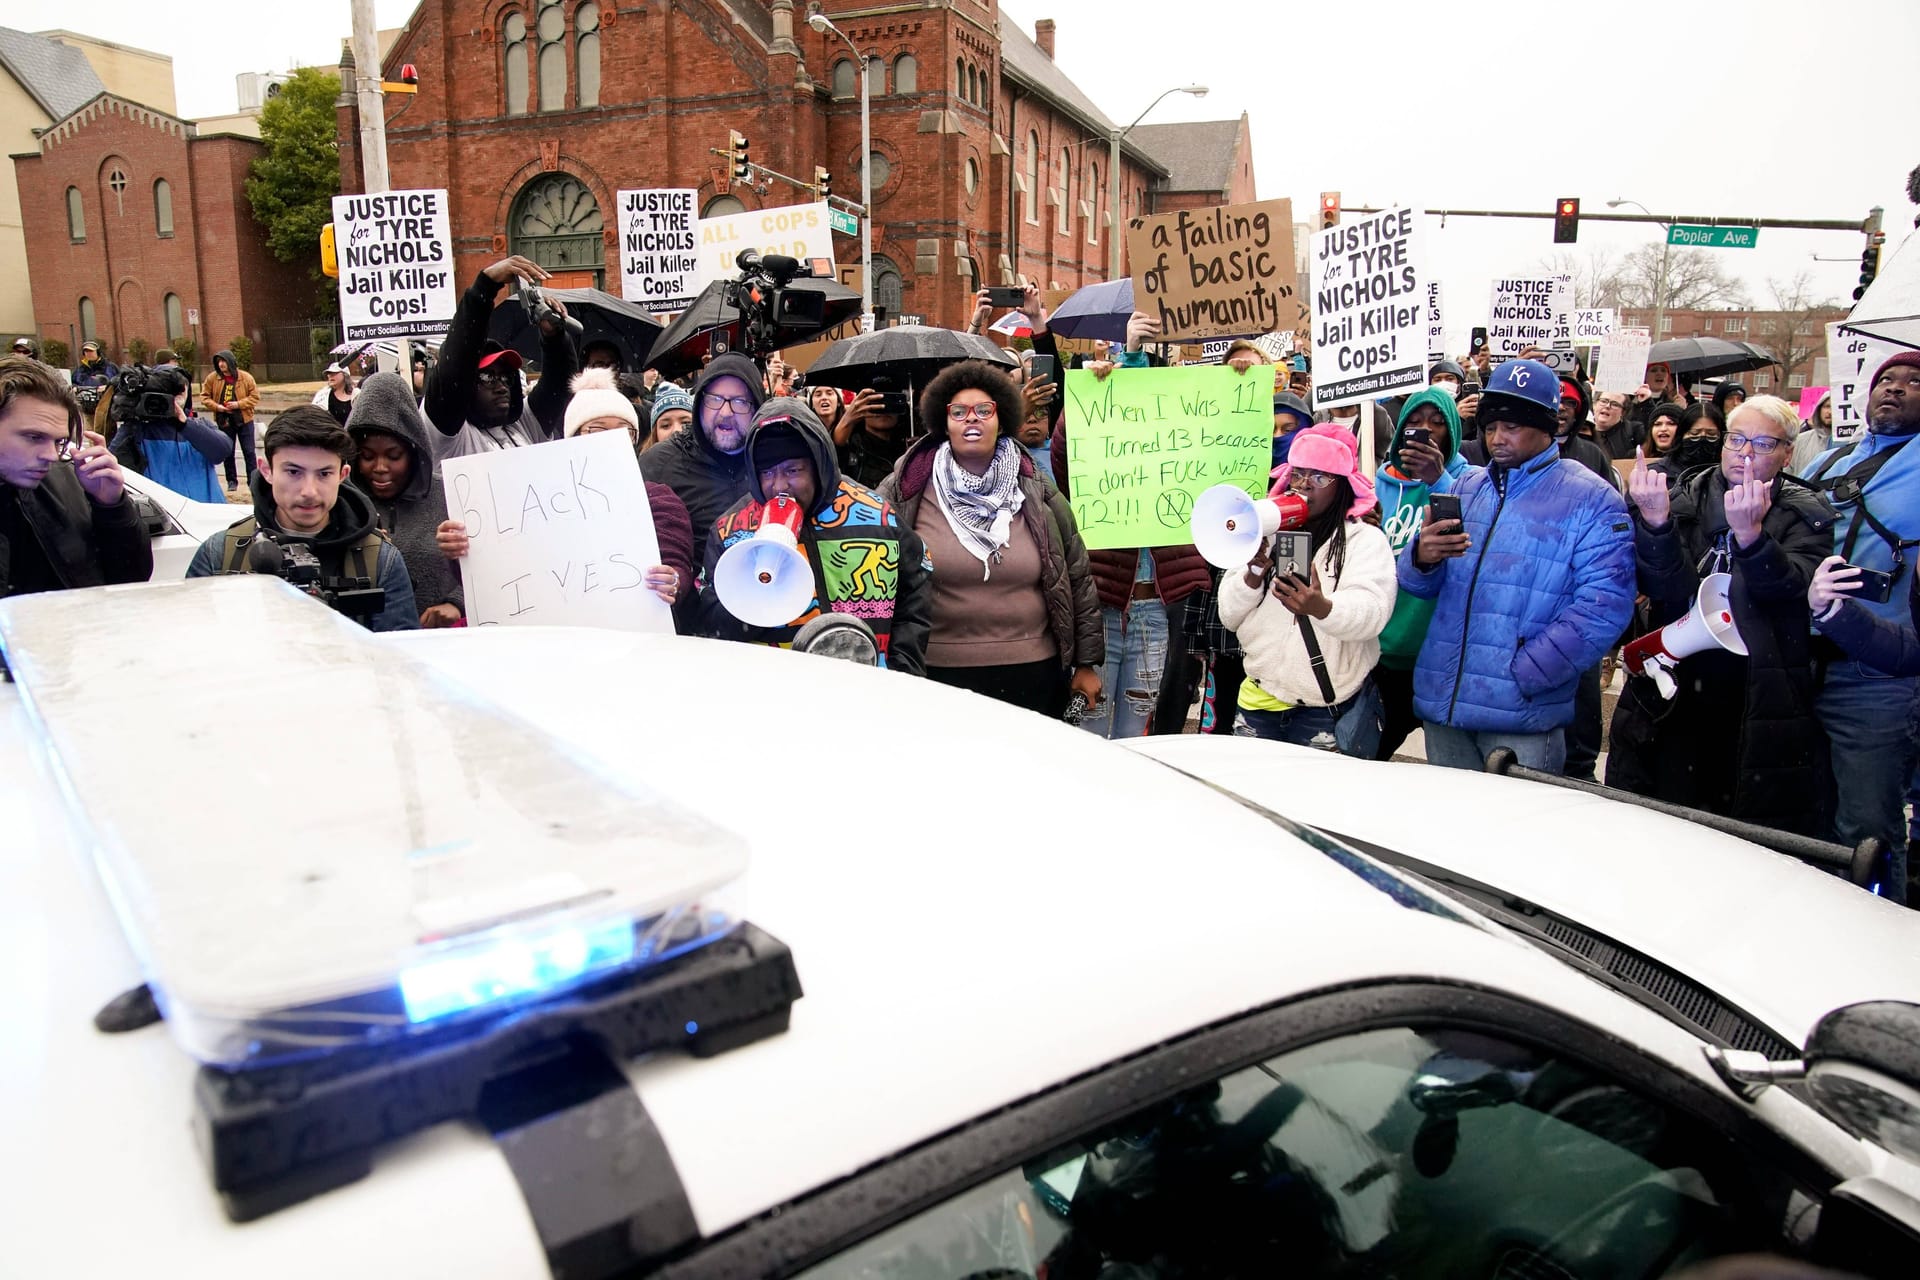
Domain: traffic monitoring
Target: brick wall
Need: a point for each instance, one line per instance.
(214, 260)
(676, 77)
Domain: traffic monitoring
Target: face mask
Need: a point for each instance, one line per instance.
(1693, 453)
(1453, 392)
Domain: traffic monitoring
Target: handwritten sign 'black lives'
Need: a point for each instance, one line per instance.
(561, 535)
(1217, 273)
(396, 264)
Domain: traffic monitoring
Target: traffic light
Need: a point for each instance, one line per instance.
(822, 181)
(329, 253)
(1869, 263)
(1329, 209)
(737, 147)
(1566, 220)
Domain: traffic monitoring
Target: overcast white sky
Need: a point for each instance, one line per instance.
(1767, 108)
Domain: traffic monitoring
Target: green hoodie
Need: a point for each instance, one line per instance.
(1403, 509)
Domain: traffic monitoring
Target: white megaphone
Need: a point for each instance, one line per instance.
(764, 580)
(1229, 526)
(1708, 625)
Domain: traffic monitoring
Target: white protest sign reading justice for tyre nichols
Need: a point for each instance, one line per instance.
(396, 264)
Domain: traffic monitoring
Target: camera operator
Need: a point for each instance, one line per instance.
(298, 499)
(474, 394)
(64, 520)
(158, 439)
(95, 370)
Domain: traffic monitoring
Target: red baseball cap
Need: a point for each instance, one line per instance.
(506, 355)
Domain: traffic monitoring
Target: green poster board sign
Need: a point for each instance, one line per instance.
(1142, 444)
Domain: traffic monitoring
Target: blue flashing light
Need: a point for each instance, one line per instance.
(513, 968)
(693, 1028)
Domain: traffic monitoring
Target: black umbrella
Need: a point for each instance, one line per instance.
(714, 323)
(1701, 357)
(602, 317)
(915, 352)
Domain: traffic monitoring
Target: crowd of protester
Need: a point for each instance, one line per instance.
(1573, 522)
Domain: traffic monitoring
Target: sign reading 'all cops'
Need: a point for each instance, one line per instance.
(802, 231)
(396, 264)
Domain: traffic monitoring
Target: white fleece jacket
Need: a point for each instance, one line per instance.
(1349, 636)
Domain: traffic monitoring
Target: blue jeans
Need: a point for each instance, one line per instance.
(1130, 681)
(1466, 749)
(1865, 715)
(1355, 732)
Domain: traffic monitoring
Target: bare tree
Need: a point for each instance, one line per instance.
(1800, 332)
(1695, 279)
(1596, 277)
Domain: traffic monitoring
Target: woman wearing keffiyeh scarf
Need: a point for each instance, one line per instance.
(1015, 612)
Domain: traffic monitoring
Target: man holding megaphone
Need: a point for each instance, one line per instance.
(1724, 559)
(807, 541)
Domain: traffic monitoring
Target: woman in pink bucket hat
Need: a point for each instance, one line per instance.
(1311, 628)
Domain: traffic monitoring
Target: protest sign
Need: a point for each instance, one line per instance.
(1810, 398)
(1142, 444)
(561, 535)
(1851, 360)
(1369, 310)
(1436, 324)
(1216, 273)
(1623, 360)
(1591, 324)
(396, 264)
(659, 247)
(1530, 311)
(797, 230)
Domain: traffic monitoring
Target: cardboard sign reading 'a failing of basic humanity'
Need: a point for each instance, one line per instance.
(1217, 273)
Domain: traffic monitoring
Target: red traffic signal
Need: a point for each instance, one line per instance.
(1566, 220)
(1329, 209)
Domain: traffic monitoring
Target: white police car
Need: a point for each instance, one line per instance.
(1066, 1011)
(176, 524)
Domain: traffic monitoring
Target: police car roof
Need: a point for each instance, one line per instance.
(981, 905)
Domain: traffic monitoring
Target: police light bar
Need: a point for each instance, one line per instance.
(404, 857)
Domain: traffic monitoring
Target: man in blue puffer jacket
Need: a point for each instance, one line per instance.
(1528, 595)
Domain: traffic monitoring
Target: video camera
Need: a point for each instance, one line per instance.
(142, 393)
(295, 562)
(539, 310)
(767, 305)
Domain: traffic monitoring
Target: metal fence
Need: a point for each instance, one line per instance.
(294, 353)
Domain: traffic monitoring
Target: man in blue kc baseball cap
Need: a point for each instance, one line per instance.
(1513, 631)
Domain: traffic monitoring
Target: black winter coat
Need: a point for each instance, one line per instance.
(1740, 739)
(62, 537)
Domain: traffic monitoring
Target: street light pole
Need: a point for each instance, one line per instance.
(1666, 247)
(822, 24)
(367, 76)
(1114, 138)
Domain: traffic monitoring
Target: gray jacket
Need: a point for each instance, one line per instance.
(385, 404)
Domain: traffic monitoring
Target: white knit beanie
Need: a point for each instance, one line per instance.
(597, 395)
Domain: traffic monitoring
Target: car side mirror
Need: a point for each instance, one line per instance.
(152, 518)
(1863, 1072)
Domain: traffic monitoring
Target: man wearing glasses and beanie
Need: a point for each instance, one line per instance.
(706, 467)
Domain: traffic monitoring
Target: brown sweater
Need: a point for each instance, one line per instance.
(980, 621)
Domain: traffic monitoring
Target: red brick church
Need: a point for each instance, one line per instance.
(987, 160)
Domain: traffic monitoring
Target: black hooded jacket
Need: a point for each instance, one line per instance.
(840, 529)
(1741, 738)
(349, 525)
(385, 405)
(455, 377)
(707, 481)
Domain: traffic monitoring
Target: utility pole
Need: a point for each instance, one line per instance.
(373, 125)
